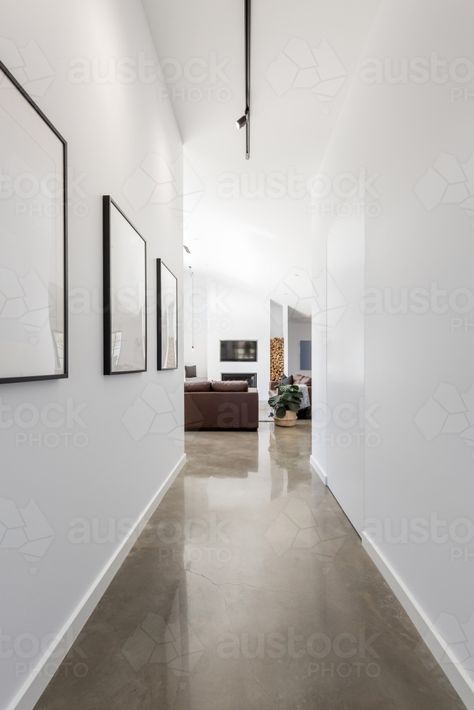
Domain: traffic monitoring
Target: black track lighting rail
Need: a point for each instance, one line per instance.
(244, 121)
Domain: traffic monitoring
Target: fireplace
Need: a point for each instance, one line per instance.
(250, 377)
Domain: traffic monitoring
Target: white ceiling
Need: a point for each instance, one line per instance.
(250, 220)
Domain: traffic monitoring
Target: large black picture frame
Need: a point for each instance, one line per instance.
(38, 335)
(167, 322)
(112, 344)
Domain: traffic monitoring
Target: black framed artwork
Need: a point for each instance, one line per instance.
(167, 311)
(33, 240)
(125, 298)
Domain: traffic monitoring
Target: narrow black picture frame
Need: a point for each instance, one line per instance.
(65, 373)
(107, 204)
(159, 314)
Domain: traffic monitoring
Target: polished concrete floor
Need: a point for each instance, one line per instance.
(249, 590)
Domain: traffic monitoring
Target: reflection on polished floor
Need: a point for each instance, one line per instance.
(249, 590)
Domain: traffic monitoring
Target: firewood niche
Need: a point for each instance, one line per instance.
(277, 358)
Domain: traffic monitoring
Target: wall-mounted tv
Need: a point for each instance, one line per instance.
(238, 350)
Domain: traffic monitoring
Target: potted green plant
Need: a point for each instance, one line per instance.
(285, 404)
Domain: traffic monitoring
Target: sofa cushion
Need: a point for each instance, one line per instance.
(286, 380)
(229, 386)
(300, 379)
(199, 386)
(190, 370)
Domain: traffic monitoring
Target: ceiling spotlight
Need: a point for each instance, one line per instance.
(241, 122)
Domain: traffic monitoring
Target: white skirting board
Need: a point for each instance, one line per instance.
(319, 470)
(458, 677)
(37, 680)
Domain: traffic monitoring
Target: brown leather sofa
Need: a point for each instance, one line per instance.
(220, 405)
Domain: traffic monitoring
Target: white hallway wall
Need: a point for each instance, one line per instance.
(238, 313)
(95, 470)
(276, 320)
(411, 133)
(195, 321)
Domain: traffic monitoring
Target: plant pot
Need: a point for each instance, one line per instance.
(289, 419)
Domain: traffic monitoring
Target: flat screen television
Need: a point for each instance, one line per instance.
(238, 350)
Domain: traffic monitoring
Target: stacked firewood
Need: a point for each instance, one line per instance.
(277, 358)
